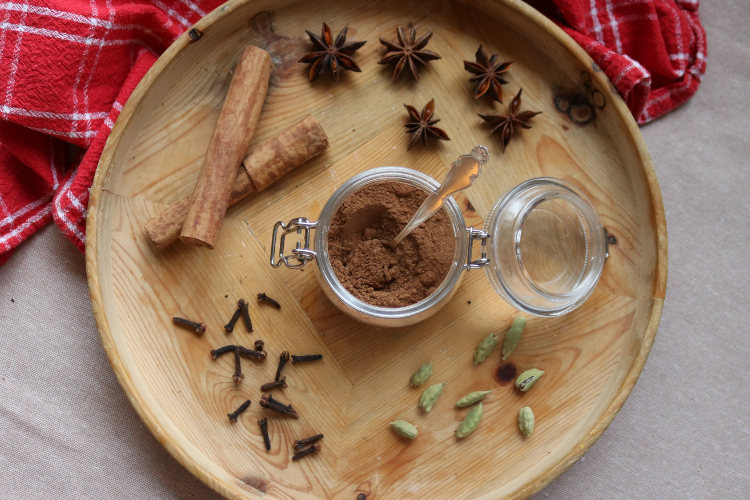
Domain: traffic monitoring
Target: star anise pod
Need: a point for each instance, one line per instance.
(487, 73)
(330, 55)
(422, 125)
(408, 50)
(505, 123)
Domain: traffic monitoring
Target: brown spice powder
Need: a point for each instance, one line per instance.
(369, 269)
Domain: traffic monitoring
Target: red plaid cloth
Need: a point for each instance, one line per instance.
(653, 51)
(68, 66)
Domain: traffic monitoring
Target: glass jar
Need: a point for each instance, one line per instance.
(542, 247)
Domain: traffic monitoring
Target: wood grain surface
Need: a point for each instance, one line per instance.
(592, 356)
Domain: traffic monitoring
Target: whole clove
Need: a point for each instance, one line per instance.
(262, 297)
(259, 345)
(221, 350)
(233, 416)
(230, 326)
(309, 357)
(313, 449)
(200, 328)
(267, 401)
(261, 355)
(283, 358)
(242, 304)
(279, 404)
(271, 385)
(301, 443)
(264, 429)
(238, 349)
(238, 376)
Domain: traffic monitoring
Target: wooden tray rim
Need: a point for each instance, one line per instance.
(178, 451)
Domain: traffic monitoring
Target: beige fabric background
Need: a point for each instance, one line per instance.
(68, 432)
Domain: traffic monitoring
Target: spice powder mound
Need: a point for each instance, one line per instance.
(367, 267)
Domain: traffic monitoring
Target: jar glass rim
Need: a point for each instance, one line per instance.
(379, 175)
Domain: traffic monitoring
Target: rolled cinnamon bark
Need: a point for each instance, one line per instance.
(228, 144)
(264, 165)
(284, 152)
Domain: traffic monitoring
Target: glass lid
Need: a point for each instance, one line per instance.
(546, 247)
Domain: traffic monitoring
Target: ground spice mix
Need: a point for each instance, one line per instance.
(367, 267)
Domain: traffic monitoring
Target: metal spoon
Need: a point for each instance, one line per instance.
(461, 174)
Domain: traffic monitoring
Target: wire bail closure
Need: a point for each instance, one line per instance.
(301, 254)
(473, 235)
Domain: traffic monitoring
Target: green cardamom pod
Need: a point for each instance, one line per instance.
(472, 398)
(513, 337)
(528, 378)
(484, 348)
(470, 423)
(404, 428)
(526, 421)
(421, 375)
(430, 396)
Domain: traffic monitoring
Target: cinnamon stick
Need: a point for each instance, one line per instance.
(231, 137)
(265, 164)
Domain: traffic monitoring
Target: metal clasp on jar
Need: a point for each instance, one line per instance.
(301, 254)
(472, 235)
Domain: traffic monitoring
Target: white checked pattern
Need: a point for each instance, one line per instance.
(85, 43)
(664, 35)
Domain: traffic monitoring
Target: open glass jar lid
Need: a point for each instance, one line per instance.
(542, 246)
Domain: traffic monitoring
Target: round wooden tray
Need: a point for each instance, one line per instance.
(592, 356)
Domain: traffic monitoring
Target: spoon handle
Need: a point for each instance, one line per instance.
(460, 175)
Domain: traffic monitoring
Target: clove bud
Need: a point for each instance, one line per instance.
(308, 357)
(233, 416)
(238, 376)
(271, 385)
(261, 355)
(267, 401)
(221, 350)
(242, 304)
(304, 453)
(283, 358)
(262, 297)
(301, 443)
(263, 423)
(200, 328)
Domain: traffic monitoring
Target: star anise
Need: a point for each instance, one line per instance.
(408, 50)
(423, 125)
(331, 55)
(487, 73)
(505, 123)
